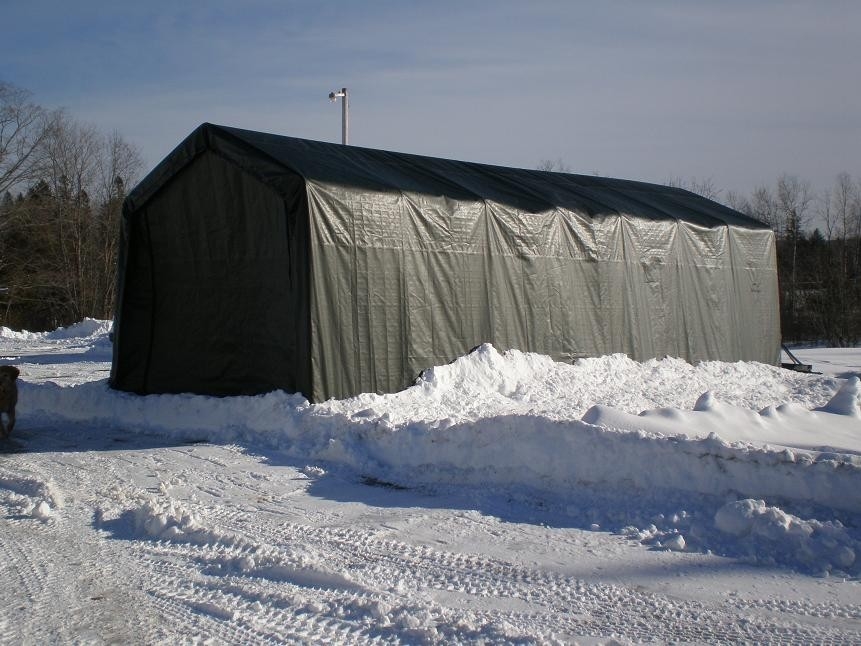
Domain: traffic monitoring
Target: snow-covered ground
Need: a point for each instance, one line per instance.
(503, 498)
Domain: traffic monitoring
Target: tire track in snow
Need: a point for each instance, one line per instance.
(321, 594)
(81, 582)
(387, 567)
(440, 582)
(355, 584)
(235, 608)
(23, 568)
(23, 577)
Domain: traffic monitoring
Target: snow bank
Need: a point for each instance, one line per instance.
(847, 401)
(833, 427)
(487, 382)
(86, 329)
(770, 534)
(174, 522)
(30, 497)
(726, 431)
(476, 421)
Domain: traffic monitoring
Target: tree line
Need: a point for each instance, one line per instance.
(62, 185)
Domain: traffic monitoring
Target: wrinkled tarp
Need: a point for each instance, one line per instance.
(252, 262)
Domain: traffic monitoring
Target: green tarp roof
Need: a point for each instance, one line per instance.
(379, 170)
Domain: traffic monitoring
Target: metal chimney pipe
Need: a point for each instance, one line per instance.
(345, 113)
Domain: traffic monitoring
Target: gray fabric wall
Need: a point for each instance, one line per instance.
(401, 282)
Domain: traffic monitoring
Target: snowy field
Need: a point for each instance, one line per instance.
(504, 498)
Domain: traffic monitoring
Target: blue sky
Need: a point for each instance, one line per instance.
(734, 91)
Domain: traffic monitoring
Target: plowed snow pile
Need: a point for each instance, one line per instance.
(518, 418)
(749, 461)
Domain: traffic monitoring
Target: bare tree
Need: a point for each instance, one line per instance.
(845, 198)
(21, 133)
(794, 197)
(89, 173)
(68, 226)
(553, 166)
(855, 220)
(705, 187)
(119, 166)
(826, 213)
(24, 127)
(738, 202)
(763, 207)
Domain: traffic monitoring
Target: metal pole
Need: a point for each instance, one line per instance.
(345, 113)
(345, 117)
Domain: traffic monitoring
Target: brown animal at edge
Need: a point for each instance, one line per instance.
(8, 398)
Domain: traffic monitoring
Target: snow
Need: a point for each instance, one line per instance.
(504, 497)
